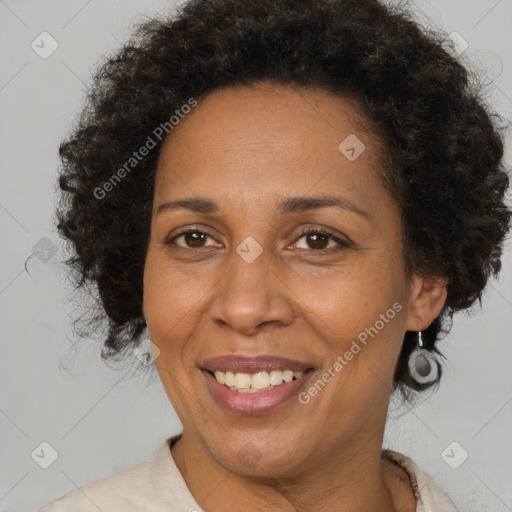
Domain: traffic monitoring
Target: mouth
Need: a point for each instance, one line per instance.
(256, 382)
(257, 385)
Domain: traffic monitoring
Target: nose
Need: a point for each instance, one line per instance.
(251, 297)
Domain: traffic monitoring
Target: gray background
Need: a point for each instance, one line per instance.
(99, 419)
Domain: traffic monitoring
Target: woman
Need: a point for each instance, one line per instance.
(293, 198)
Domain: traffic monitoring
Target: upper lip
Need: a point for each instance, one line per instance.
(254, 364)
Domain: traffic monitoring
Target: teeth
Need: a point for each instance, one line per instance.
(222, 377)
(276, 377)
(230, 378)
(242, 381)
(260, 380)
(288, 376)
(250, 390)
(247, 383)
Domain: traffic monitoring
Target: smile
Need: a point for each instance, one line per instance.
(257, 382)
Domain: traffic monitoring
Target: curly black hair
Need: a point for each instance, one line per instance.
(443, 146)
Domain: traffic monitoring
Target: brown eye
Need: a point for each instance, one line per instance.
(195, 239)
(319, 240)
(192, 239)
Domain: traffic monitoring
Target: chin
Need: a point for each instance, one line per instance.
(260, 455)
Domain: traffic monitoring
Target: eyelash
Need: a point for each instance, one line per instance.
(343, 244)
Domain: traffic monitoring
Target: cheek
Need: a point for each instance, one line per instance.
(343, 302)
(171, 301)
(357, 315)
(170, 307)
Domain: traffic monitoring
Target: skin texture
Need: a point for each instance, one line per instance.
(247, 148)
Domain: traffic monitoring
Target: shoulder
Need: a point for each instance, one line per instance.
(137, 488)
(429, 496)
(115, 492)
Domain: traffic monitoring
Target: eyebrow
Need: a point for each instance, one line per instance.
(287, 206)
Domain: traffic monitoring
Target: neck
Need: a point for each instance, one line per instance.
(356, 479)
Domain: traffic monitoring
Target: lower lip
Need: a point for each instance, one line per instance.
(250, 404)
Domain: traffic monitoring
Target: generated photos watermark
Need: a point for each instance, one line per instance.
(342, 360)
(158, 133)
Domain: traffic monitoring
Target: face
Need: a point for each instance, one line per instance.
(232, 283)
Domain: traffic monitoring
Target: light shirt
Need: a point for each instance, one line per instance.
(156, 485)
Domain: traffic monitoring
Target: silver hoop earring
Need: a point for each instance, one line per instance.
(423, 363)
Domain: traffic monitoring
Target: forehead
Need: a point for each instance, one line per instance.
(265, 140)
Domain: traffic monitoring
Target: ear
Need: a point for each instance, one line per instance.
(426, 301)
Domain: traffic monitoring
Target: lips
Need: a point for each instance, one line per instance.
(261, 402)
(241, 364)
